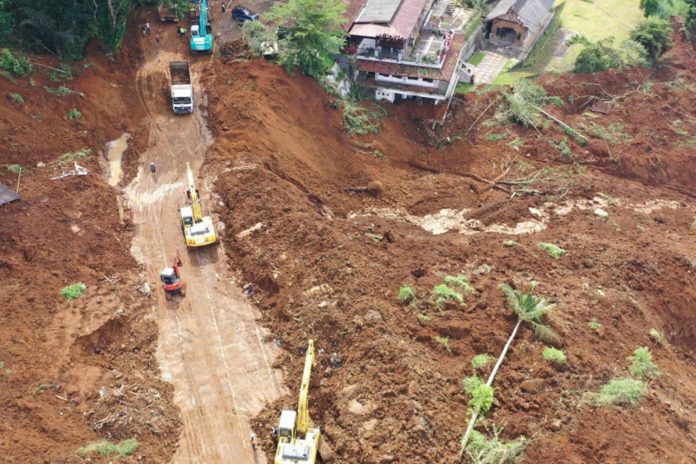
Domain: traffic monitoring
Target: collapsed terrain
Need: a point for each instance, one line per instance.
(327, 262)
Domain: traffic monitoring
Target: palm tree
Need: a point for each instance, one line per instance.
(528, 308)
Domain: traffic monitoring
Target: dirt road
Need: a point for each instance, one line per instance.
(210, 346)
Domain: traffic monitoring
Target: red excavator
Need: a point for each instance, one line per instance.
(171, 279)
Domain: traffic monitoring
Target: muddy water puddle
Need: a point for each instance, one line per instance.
(114, 154)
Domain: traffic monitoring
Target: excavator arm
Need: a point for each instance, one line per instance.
(196, 210)
(303, 402)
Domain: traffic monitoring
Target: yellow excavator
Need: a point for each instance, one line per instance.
(198, 229)
(297, 443)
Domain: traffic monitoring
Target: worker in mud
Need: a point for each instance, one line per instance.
(153, 168)
(158, 39)
(181, 31)
(223, 6)
(252, 440)
(274, 435)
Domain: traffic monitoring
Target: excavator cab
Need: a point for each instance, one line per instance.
(171, 280)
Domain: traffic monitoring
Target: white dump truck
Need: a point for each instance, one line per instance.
(181, 88)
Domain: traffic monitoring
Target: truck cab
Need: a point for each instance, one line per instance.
(182, 100)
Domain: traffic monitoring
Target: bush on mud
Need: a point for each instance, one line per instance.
(622, 391)
(482, 450)
(106, 448)
(553, 250)
(17, 64)
(359, 120)
(523, 102)
(554, 355)
(655, 35)
(642, 365)
(480, 361)
(407, 294)
(73, 291)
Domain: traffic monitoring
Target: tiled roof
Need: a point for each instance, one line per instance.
(530, 13)
(399, 69)
(402, 24)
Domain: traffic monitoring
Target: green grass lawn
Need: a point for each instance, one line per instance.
(476, 58)
(596, 20)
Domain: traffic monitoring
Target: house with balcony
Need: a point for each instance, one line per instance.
(411, 48)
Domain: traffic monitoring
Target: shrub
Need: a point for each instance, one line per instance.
(481, 398)
(73, 291)
(460, 281)
(521, 105)
(444, 293)
(17, 98)
(106, 448)
(554, 355)
(482, 450)
(642, 365)
(594, 325)
(61, 91)
(553, 250)
(598, 56)
(655, 35)
(360, 120)
(656, 335)
(73, 114)
(257, 36)
(444, 341)
(15, 168)
(407, 294)
(469, 384)
(18, 64)
(480, 361)
(621, 391)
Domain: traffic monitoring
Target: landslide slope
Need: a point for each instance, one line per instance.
(327, 263)
(74, 372)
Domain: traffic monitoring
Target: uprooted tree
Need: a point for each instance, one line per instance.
(529, 309)
(314, 34)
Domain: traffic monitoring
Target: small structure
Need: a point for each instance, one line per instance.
(518, 22)
(7, 195)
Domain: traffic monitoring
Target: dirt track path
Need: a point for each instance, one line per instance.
(210, 347)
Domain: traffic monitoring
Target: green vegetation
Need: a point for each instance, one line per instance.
(443, 293)
(522, 104)
(602, 55)
(491, 137)
(407, 294)
(69, 157)
(621, 391)
(656, 335)
(480, 361)
(45, 386)
(359, 120)
(61, 91)
(257, 36)
(594, 325)
(460, 281)
(17, 64)
(17, 98)
(73, 114)
(655, 35)
(444, 341)
(553, 250)
(482, 450)
(562, 147)
(315, 33)
(73, 291)
(531, 309)
(465, 88)
(477, 58)
(554, 355)
(64, 28)
(480, 394)
(16, 168)
(642, 365)
(106, 448)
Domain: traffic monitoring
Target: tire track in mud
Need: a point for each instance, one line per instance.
(210, 347)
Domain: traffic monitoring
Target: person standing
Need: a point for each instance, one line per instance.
(147, 28)
(158, 39)
(252, 440)
(223, 6)
(153, 168)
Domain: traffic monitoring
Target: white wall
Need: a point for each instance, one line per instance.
(405, 80)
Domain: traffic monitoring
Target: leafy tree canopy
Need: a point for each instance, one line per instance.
(315, 33)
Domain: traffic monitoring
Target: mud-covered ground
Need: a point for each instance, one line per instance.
(74, 372)
(327, 262)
